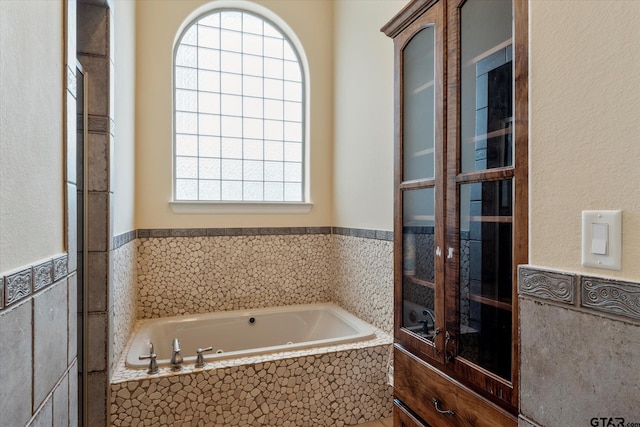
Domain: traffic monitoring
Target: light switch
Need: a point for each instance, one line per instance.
(599, 238)
(602, 239)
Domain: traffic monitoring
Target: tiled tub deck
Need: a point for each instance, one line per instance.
(326, 386)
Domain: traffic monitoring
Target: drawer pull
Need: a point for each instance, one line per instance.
(436, 403)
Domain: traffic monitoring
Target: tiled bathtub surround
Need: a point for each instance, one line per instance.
(206, 273)
(330, 386)
(579, 339)
(182, 271)
(363, 278)
(125, 292)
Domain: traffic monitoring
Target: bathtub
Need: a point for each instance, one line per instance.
(245, 333)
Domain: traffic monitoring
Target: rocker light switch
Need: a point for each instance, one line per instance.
(602, 239)
(599, 238)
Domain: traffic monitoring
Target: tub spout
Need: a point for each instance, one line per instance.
(425, 323)
(176, 358)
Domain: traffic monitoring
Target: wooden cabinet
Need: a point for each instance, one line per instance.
(460, 226)
(402, 416)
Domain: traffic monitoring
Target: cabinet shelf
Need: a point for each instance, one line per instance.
(493, 134)
(489, 52)
(422, 88)
(417, 220)
(424, 152)
(494, 218)
(503, 305)
(420, 282)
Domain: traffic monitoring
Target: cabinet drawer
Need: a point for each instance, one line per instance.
(417, 385)
(403, 418)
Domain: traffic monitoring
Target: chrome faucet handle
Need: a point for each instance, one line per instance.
(200, 363)
(176, 357)
(153, 364)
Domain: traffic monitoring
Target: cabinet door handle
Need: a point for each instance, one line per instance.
(435, 334)
(436, 403)
(447, 356)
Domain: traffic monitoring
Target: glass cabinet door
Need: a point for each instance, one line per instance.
(419, 201)
(418, 263)
(418, 125)
(485, 275)
(484, 199)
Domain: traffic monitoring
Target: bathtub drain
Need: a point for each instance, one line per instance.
(220, 351)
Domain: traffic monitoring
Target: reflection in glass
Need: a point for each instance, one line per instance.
(418, 264)
(486, 85)
(419, 106)
(486, 275)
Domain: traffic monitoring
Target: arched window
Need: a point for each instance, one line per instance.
(239, 111)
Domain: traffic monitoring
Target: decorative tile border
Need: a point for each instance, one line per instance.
(262, 231)
(609, 296)
(17, 286)
(202, 232)
(554, 286)
(23, 283)
(363, 233)
(599, 294)
(122, 239)
(42, 275)
(60, 267)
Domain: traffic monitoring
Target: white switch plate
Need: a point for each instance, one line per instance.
(612, 247)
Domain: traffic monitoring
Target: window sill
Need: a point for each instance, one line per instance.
(246, 208)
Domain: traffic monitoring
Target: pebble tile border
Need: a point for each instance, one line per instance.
(326, 386)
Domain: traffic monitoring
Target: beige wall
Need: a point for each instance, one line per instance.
(125, 103)
(157, 25)
(31, 120)
(363, 114)
(584, 127)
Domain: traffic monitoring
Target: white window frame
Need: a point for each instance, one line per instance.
(245, 207)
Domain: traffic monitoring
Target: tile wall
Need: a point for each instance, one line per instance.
(182, 271)
(37, 319)
(200, 274)
(579, 347)
(125, 293)
(38, 322)
(362, 281)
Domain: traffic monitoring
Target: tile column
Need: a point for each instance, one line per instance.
(95, 53)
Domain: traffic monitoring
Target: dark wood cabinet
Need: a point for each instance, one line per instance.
(461, 182)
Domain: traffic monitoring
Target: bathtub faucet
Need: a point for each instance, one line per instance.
(176, 358)
(425, 323)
